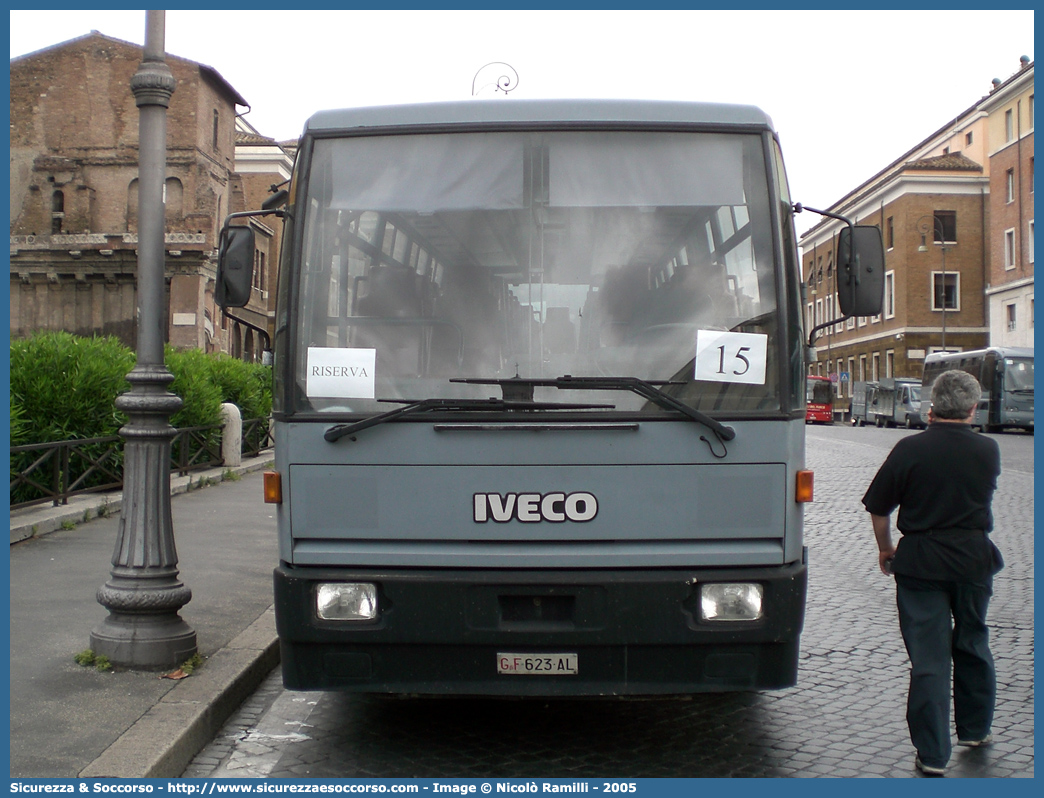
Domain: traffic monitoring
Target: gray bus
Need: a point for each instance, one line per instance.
(539, 399)
(1006, 377)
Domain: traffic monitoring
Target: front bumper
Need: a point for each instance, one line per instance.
(634, 632)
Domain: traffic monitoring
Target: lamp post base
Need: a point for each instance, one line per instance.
(143, 628)
(144, 642)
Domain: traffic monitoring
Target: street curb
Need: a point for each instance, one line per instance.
(38, 520)
(163, 741)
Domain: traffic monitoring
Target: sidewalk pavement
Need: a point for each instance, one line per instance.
(68, 721)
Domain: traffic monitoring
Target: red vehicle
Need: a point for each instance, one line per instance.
(819, 398)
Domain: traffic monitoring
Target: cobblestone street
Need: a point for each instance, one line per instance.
(845, 717)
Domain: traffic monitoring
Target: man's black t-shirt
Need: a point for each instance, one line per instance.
(942, 480)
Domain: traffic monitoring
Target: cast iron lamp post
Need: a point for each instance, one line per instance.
(143, 594)
(935, 227)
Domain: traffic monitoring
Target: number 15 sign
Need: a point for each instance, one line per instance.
(723, 356)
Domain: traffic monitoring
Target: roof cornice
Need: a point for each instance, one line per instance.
(887, 191)
(1003, 92)
(205, 70)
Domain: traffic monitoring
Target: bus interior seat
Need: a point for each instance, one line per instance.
(391, 293)
(559, 332)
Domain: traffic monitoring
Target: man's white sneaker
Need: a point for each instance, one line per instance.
(928, 770)
(976, 743)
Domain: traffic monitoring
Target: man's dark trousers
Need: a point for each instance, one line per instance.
(925, 607)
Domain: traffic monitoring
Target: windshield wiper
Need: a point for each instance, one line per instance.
(413, 406)
(521, 389)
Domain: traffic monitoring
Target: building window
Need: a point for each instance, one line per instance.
(890, 363)
(968, 139)
(850, 323)
(1009, 249)
(811, 317)
(132, 206)
(57, 212)
(945, 227)
(1009, 312)
(851, 372)
(1010, 185)
(216, 116)
(1030, 105)
(862, 368)
(946, 290)
(890, 232)
(876, 367)
(259, 269)
(1009, 125)
(889, 295)
(1029, 241)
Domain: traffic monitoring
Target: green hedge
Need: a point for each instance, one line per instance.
(64, 387)
(246, 385)
(201, 396)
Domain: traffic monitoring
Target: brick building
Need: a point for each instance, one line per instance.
(1009, 288)
(74, 204)
(936, 208)
(261, 164)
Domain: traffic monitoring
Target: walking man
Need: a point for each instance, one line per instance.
(942, 480)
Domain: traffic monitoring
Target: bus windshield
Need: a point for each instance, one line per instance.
(1018, 374)
(439, 257)
(819, 392)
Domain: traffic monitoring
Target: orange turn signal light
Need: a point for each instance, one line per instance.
(804, 486)
(273, 487)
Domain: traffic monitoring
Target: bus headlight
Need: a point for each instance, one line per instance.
(346, 601)
(728, 601)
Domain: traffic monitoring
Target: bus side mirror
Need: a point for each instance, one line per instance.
(278, 198)
(860, 271)
(235, 269)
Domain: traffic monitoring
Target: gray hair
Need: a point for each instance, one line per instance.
(955, 394)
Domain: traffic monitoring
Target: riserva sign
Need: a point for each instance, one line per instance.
(532, 508)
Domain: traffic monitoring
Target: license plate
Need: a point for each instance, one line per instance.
(537, 664)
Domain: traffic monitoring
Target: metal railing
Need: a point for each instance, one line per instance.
(61, 469)
(53, 472)
(257, 436)
(196, 448)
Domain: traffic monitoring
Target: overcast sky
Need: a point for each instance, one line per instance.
(849, 91)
